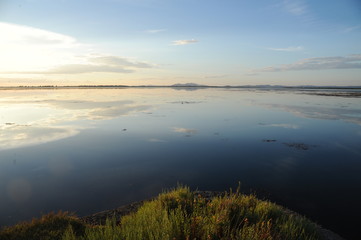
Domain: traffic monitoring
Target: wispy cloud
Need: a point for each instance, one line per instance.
(318, 63)
(351, 29)
(154, 31)
(184, 42)
(83, 68)
(299, 9)
(295, 7)
(288, 49)
(216, 76)
(119, 61)
(109, 64)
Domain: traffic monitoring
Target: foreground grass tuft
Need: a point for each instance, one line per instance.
(180, 214)
(49, 227)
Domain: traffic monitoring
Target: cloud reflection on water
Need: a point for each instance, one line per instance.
(324, 113)
(18, 136)
(93, 110)
(283, 125)
(156, 140)
(185, 130)
(39, 121)
(36, 117)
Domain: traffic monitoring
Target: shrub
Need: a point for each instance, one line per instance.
(49, 227)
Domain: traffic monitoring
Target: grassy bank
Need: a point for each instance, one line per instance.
(179, 214)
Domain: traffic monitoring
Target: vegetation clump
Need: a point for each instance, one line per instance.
(182, 214)
(49, 227)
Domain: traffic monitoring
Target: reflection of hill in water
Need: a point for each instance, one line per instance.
(350, 94)
(188, 88)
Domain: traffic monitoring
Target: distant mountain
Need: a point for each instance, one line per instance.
(188, 85)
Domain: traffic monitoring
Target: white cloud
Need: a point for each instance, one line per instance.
(28, 50)
(154, 31)
(288, 49)
(25, 48)
(33, 36)
(184, 42)
(318, 63)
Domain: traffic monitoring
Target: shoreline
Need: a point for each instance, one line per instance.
(185, 87)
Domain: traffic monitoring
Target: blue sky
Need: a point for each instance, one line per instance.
(157, 42)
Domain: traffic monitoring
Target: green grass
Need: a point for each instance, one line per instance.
(48, 227)
(180, 214)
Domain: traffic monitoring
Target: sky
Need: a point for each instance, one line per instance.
(164, 42)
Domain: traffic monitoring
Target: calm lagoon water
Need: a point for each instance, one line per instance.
(88, 150)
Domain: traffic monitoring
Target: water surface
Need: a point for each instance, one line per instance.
(88, 150)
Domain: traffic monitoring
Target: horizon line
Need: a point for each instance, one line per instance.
(179, 85)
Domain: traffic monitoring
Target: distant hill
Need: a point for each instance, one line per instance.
(188, 85)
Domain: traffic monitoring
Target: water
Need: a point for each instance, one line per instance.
(88, 150)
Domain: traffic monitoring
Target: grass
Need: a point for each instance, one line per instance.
(49, 227)
(180, 214)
